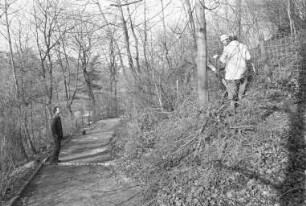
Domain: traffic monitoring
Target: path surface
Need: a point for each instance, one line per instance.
(85, 176)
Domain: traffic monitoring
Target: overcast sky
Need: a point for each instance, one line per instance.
(173, 12)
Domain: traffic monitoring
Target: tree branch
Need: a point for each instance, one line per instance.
(126, 4)
(210, 9)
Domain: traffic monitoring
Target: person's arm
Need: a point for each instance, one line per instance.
(246, 53)
(222, 61)
(223, 57)
(211, 67)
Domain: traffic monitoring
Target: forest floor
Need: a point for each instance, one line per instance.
(86, 175)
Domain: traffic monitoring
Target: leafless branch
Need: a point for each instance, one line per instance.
(210, 9)
(126, 4)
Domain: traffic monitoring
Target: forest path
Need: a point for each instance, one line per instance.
(85, 176)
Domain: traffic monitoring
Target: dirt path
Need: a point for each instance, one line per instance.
(86, 175)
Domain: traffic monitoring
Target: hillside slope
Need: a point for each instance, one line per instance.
(254, 155)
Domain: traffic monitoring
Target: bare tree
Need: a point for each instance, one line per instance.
(47, 20)
(69, 69)
(145, 33)
(191, 24)
(7, 4)
(113, 69)
(202, 53)
(114, 52)
(126, 39)
(85, 41)
(135, 39)
(13, 67)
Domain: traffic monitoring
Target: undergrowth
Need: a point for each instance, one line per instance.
(218, 156)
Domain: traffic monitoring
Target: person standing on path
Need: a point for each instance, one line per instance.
(235, 56)
(57, 134)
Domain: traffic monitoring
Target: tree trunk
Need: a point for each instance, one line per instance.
(28, 136)
(12, 62)
(165, 36)
(136, 41)
(158, 93)
(50, 67)
(126, 40)
(115, 42)
(19, 139)
(67, 87)
(194, 36)
(90, 93)
(113, 79)
(145, 43)
(239, 15)
(32, 122)
(202, 53)
(264, 59)
(192, 25)
(116, 99)
(21, 144)
(16, 84)
(291, 20)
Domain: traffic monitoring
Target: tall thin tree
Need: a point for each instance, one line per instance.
(239, 16)
(201, 52)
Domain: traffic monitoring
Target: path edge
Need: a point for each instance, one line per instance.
(14, 199)
(18, 195)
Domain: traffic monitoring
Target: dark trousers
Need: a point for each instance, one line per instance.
(235, 89)
(56, 149)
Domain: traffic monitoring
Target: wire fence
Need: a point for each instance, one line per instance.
(281, 50)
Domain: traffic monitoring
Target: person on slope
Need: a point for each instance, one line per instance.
(236, 58)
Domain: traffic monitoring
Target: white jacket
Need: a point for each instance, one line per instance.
(234, 56)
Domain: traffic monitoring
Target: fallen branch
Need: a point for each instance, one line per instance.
(243, 127)
(292, 190)
(181, 147)
(151, 201)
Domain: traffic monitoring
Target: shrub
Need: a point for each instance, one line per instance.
(212, 155)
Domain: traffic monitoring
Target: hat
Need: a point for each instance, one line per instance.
(224, 37)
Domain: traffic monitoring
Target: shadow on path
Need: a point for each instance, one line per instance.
(99, 154)
(76, 184)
